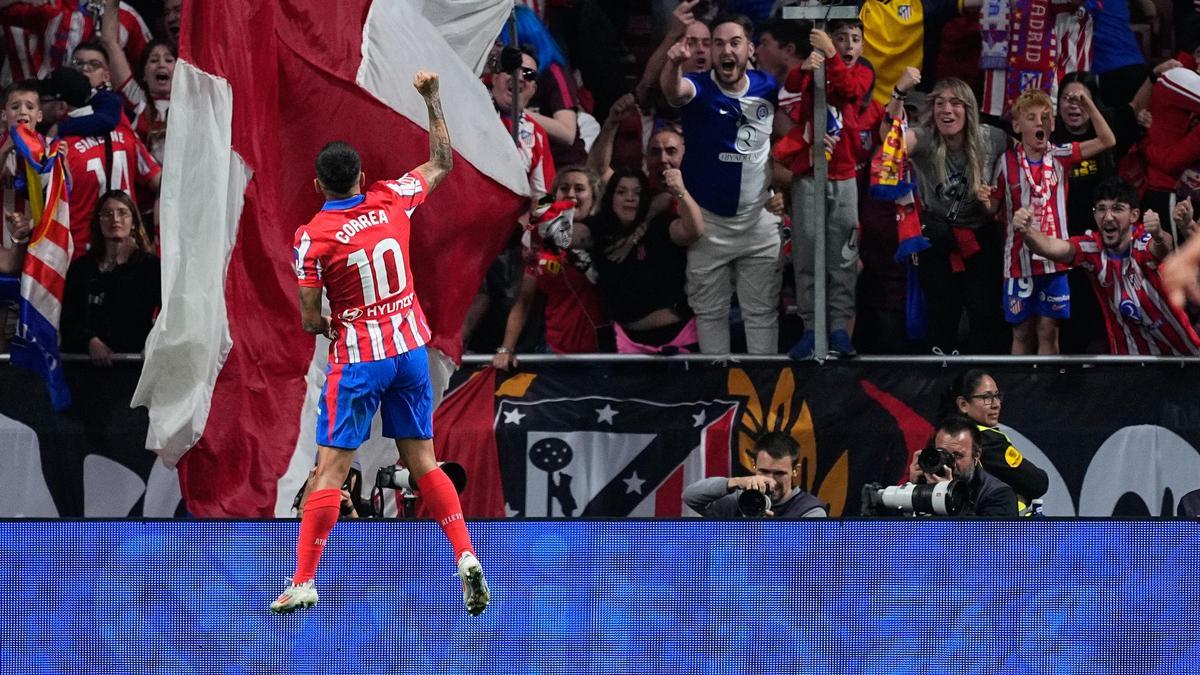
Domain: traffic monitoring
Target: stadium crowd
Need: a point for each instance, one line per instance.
(88, 88)
(992, 188)
(690, 168)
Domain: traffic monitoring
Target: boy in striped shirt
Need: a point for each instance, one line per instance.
(1123, 259)
(1033, 175)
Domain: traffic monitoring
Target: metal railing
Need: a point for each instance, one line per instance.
(732, 359)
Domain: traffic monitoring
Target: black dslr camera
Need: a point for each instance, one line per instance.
(934, 460)
(753, 504)
(353, 485)
(400, 479)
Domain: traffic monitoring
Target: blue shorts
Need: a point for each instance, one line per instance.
(398, 387)
(1042, 295)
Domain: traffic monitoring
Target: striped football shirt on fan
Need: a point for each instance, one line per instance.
(1137, 316)
(1045, 194)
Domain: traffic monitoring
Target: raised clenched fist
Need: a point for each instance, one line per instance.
(426, 83)
(910, 78)
(1152, 223)
(1022, 218)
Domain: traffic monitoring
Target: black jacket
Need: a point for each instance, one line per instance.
(990, 497)
(1003, 461)
(118, 306)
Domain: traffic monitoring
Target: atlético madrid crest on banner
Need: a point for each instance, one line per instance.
(600, 456)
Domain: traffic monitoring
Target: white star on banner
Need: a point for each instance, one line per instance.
(513, 416)
(699, 417)
(633, 484)
(605, 414)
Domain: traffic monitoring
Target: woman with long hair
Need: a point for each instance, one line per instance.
(147, 90)
(954, 156)
(974, 394)
(564, 276)
(113, 293)
(642, 263)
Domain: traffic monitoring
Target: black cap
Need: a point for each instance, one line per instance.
(68, 85)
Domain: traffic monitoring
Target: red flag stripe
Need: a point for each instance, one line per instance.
(718, 445)
(668, 498)
(45, 275)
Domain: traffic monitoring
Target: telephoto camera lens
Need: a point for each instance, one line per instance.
(754, 504)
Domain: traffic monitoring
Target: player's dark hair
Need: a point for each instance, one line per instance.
(957, 424)
(338, 166)
(779, 445)
(1117, 190)
(24, 86)
(95, 46)
(790, 32)
(740, 19)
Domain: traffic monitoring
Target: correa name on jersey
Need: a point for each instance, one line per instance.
(356, 225)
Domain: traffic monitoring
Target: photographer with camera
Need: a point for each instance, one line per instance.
(957, 440)
(352, 504)
(975, 394)
(771, 492)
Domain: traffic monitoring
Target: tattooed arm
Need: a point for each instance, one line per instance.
(441, 155)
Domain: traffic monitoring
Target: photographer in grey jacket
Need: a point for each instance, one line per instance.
(771, 492)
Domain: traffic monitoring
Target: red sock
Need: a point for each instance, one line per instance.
(320, 514)
(442, 500)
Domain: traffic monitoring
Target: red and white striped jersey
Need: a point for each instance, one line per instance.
(534, 146)
(1046, 194)
(357, 249)
(95, 170)
(44, 37)
(1137, 315)
(22, 55)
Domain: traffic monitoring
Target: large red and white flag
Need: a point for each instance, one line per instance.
(259, 89)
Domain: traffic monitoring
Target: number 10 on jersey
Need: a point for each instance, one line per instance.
(377, 271)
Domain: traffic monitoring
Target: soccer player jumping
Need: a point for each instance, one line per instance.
(357, 248)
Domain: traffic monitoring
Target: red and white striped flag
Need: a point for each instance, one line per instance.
(42, 175)
(230, 378)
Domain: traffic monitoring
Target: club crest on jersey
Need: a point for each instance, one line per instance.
(1131, 311)
(905, 11)
(298, 254)
(352, 314)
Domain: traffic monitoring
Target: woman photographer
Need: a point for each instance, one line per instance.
(976, 395)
